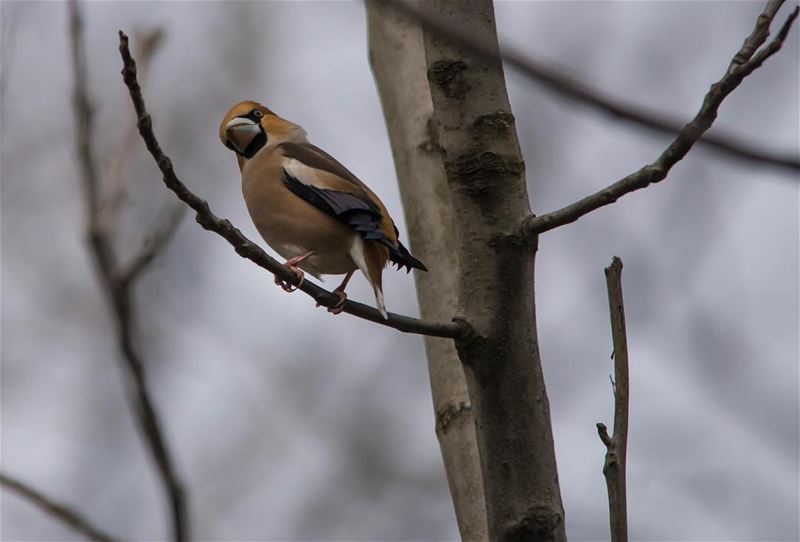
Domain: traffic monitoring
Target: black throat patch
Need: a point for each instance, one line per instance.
(258, 142)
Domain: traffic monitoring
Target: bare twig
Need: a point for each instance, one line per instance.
(149, 42)
(118, 289)
(243, 246)
(617, 445)
(153, 242)
(59, 511)
(571, 89)
(742, 65)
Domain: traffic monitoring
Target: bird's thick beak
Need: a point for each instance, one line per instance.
(241, 131)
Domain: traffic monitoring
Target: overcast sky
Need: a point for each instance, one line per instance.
(291, 424)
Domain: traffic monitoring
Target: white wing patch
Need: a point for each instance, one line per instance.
(303, 173)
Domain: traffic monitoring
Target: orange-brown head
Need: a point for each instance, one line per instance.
(241, 129)
(248, 125)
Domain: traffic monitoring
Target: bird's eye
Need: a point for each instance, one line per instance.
(257, 113)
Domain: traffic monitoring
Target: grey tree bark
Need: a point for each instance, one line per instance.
(486, 179)
(397, 56)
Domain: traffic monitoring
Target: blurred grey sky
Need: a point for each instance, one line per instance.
(288, 423)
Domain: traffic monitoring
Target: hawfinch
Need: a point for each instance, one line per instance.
(307, 206)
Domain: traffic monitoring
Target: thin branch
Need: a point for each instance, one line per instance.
(149, 42)
(602, 430)
(84, 117)
(118, 290)
(569, 88)
(617, 445)
(152, 243)
(56, 510)
(742, 65)
(159, 235)
(243, 246)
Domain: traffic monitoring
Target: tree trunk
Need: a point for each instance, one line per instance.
(397, 55)
(486, 177)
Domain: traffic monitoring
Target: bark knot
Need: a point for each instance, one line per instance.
(431, 141)
(447, 415)
(493, 125)
(518, 238)
(468, 337)
(479, 172)
(470, 344)
(448, 76)
(538, 523)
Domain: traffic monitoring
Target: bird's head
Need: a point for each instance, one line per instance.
(243, 128)
(248, 126)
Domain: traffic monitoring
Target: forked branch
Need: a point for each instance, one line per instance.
(117, 283)
(617, 444)
(243, 246)
(748, 59)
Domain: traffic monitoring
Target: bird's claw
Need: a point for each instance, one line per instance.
(288, 287)
(339, 306)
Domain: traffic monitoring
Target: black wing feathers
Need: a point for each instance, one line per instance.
(333, 202)
(362, 215)
(405, 258)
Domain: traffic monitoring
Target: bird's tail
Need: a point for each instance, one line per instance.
(401, 257)
(379, 301)
(370, 259)
(375, 276)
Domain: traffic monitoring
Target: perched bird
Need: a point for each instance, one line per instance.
(307, 206)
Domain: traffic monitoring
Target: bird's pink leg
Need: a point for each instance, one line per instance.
(291, 263)
(339, 292)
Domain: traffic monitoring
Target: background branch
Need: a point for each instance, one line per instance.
(243, 246)
(118, 288)
(617, 445)
(569, 88)
(153, 242)
(742, 65)
(148, 42)
(56, 510)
